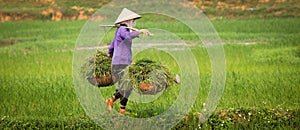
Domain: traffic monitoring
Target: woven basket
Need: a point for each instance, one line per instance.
(146, 88)
(103, 81)
(97, 69)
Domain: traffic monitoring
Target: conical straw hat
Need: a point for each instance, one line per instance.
(125, 15)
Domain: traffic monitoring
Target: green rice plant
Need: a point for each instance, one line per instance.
(98, 65)
(97, 69)
(148, 76)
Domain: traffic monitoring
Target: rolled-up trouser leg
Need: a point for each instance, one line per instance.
(126, 93)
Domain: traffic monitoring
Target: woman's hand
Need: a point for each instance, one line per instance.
(145, 32)
(109, 55)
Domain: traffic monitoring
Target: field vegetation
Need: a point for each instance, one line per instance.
(262, 71)
(262, 60)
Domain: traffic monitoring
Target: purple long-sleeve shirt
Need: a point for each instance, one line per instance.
(120, 47)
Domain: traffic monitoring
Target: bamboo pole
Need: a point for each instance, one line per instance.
(116, 26)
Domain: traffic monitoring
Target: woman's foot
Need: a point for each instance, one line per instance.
(122, 111)
(109, 103)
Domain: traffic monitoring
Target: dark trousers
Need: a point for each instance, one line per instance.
(124, 87)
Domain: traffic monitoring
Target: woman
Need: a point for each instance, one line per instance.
(120, 50)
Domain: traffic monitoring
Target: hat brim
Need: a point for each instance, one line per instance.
(128, 18)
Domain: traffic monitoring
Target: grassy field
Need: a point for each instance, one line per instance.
(262, 61)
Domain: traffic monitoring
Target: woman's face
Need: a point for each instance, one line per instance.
(133, 23)
(130, 23)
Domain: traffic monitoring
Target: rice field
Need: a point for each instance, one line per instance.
(262, 73)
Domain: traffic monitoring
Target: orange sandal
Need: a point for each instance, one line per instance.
(122, 111)
(110, 103)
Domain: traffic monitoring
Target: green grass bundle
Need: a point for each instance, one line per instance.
(97, 70)
(149, 77)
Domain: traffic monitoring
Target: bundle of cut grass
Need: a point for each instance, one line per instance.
(97, 70)
(149, 77)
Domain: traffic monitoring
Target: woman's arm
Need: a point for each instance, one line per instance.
(145, 32)
(126, 34)
(111, 49)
